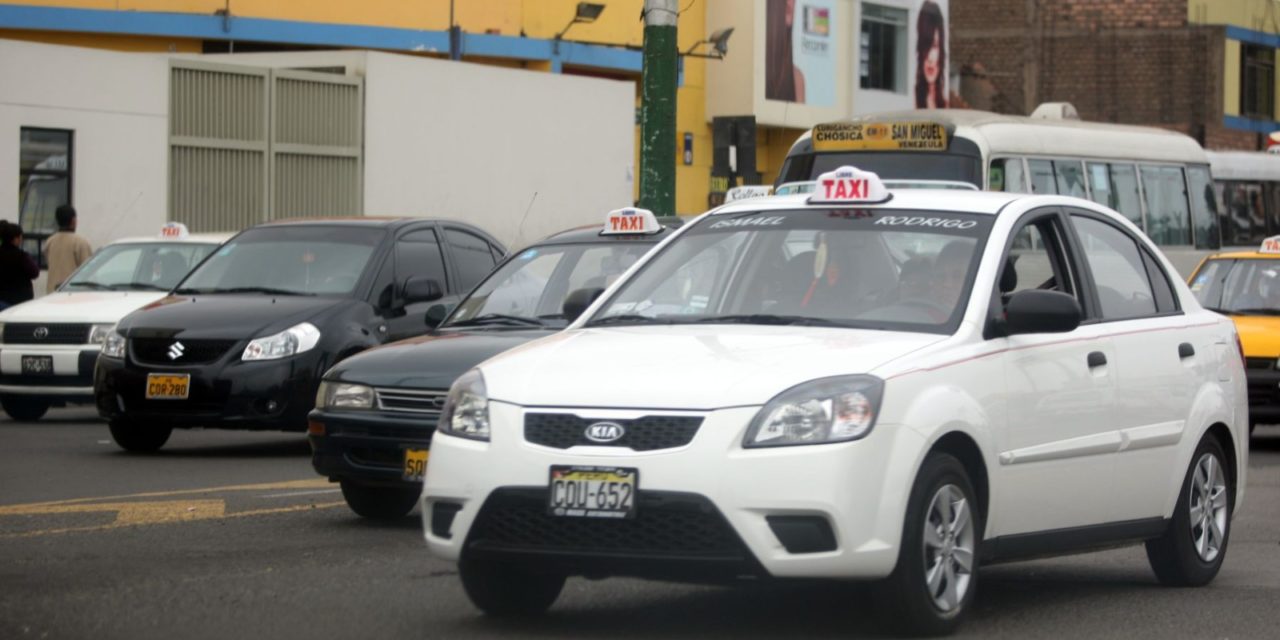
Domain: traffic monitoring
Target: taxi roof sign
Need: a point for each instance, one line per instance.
(849, 185)
(630, 221)
(1270, 245)
(174, 230)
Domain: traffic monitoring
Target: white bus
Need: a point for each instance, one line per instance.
(1159, 179)
(1248, 188)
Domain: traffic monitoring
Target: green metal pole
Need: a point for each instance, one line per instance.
(658, 108)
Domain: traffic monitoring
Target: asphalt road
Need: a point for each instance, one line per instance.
(230, 535)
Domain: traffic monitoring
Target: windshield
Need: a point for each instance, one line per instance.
(889, 165)
(1239, 286)
(530, 288)
(288, 260)
(882, 269)
(147, 266)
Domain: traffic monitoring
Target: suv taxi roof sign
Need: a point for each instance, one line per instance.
(1270, 245)
(848, 185)
(174, 230)
(630, 221)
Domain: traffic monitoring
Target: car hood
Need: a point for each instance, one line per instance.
(1259, 335)
(686, 366)
(224, 316)
(98, 307)
(432, 361)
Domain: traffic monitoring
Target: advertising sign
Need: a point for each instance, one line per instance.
(800, 51)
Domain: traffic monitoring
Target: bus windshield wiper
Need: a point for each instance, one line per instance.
(771, 319)
(629, 318)
(497, 318)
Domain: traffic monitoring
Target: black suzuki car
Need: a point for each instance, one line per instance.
(375, 413)
(242, 341)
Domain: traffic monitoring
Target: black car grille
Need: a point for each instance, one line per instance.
(562, 430)
(416, 433)
(665, 525)
(37, 333)
(427, 402)
(1260, 363)
(157, 350)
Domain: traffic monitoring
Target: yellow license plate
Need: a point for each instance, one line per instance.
(415, 464)
(163, 386)
(592, 492)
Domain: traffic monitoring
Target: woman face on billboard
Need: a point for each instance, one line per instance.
(931, 57)
(783, 79)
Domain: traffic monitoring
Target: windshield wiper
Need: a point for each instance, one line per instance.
(498, 318)
(267, 290)
(629, 318)
(141, 286)
(96, 286)
(767, 318)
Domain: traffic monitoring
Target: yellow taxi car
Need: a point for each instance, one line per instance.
(1245, 285)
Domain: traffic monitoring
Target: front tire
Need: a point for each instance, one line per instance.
(24, 409)
(379, 503)
(933, 584)
(1190, 552)
(504, 591)
(139, 438)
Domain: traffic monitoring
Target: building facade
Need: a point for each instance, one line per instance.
(1206, 68)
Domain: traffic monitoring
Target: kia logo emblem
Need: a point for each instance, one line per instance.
(176, 350)
(605, 432)
(41, 333)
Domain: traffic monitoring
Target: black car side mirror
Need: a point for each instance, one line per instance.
(436, 314)
(421, 289)
(578, 301)
(1040, 311)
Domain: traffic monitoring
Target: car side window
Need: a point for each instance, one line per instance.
(1037, 260)
(1119, 273)
(472, 256)
(1166, 301)
(418, 254)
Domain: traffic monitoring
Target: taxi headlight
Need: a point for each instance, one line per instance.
(820, 411)
(340, 395)
(113, 344)
(299, 338)
(98, 333)
(466, 410)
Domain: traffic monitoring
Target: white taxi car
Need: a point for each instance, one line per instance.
(853, 384)
(49, 346)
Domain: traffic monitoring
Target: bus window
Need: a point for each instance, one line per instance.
(1007, 175)
(1124, 180)
(1168, 217)
(1204, 209)
(1100, 184)
(1042, 181)
(1243, 219)
(1070, 177)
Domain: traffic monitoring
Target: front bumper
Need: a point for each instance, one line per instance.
(1264, 395)
(71, 379)
(859, 489)
(368, 446)
(226, 394)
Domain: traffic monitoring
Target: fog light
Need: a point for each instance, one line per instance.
(315, 428)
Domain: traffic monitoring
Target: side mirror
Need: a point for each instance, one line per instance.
(436, 314)
(421, 289)
(578, 301)
(1038, 311)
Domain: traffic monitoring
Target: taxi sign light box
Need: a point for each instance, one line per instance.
(174, 230)
(1270, 245)
(630, 221)
(849, 185)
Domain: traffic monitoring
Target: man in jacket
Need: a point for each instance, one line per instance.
(65, 250)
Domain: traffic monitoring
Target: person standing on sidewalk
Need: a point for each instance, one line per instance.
(65, 250)
(17, 269)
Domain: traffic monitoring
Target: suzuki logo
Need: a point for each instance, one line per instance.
(605, 432)
(40, 333)
(176, 350)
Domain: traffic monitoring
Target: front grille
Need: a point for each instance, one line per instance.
(563, 430)
(158, 350)
(412, 400)
(418, 432)
(1263, 395)
(1260, 363)
(665, 525)
(37, 333)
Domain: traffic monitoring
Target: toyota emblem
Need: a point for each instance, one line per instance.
(605, 432)
(40, 333)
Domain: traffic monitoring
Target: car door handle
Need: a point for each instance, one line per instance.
(1185, 350)
(1097, 359)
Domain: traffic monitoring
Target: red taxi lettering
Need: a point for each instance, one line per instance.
(845, 189)
(1271, 245)
(626, 223)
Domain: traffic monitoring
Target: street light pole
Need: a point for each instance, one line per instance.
(658, 108)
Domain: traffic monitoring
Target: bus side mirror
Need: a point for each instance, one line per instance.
(578, 301)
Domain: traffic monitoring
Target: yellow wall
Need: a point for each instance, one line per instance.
(619, 24)
(1231, 79)
(1259, 15)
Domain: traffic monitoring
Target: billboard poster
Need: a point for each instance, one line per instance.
(930, 77)
(800, 51)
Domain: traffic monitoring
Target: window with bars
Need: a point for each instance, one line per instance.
(882, 57)
(1257, 81)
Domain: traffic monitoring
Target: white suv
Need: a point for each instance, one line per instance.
(853, 384)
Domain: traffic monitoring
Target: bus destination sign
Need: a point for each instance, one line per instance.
(880, 136)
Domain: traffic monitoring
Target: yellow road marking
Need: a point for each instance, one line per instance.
(120, 525)
(290, 484)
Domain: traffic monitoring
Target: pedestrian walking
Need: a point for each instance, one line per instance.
(65, 250)
(17, 269)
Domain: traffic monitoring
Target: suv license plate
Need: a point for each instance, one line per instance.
(592, 492)
(415, 464)
(37, 365)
